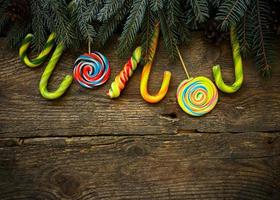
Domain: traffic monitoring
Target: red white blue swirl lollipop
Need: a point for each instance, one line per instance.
(91, 69)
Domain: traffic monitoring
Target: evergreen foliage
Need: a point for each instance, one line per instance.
(230, 12)
(83, 21)
(262, 38)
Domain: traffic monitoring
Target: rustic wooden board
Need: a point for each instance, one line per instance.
(185, 166)
(24, 113)
(86, 146)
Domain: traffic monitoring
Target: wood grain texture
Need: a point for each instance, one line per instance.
(186, 166)
(24, 113)
(86, 146)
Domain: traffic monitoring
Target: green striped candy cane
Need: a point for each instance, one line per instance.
(237, 64)
(64, 85)
(41, 57)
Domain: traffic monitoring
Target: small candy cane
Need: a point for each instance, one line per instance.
(40, 59)
(50, 66)
(64, 85)
(146, 73)
(237, 64)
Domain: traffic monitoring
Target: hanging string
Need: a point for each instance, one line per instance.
(183, 64)
(89, 46)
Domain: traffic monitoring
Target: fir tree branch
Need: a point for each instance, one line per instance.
(173, 10)
(168, 37)
(200, 10)
(94, 8)
(111, 7)
(17, 33)
(82, 17)
(215, 3)
(244, 28)
(132, 26)
(59, 21)
(178, 24)
(262, 40)
(109, 26)
(156, 5)
(38, 24)
(147, 31)
(231, 12)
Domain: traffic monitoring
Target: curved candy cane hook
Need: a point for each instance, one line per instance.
(144, 85)
(146, 73)
(47, 73)
(237, 64)
(41, 57)
(50, 66)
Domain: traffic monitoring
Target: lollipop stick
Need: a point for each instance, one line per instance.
(183, 64)
(89, 46)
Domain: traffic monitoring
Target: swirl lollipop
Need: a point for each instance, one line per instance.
(91, 69)
(196, 96)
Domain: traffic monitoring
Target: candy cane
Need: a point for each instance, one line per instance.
(50, 66)
(237, 64)
(41, 57)
(64, 85)
(121, 79)
(146, 73)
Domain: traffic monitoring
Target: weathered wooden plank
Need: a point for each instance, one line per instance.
(89, 112)
(186, 166)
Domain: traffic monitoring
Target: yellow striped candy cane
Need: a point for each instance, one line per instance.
(237, 64)
(41, 57)
(146, 73)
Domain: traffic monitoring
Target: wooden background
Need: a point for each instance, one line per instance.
(87, 146)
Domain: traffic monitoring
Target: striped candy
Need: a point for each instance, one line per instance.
(41, 57)
(91, 70)
(152, 48)
(43, 86)
(197, 96)
(237, 64)
(121, 79)
(64, 85)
